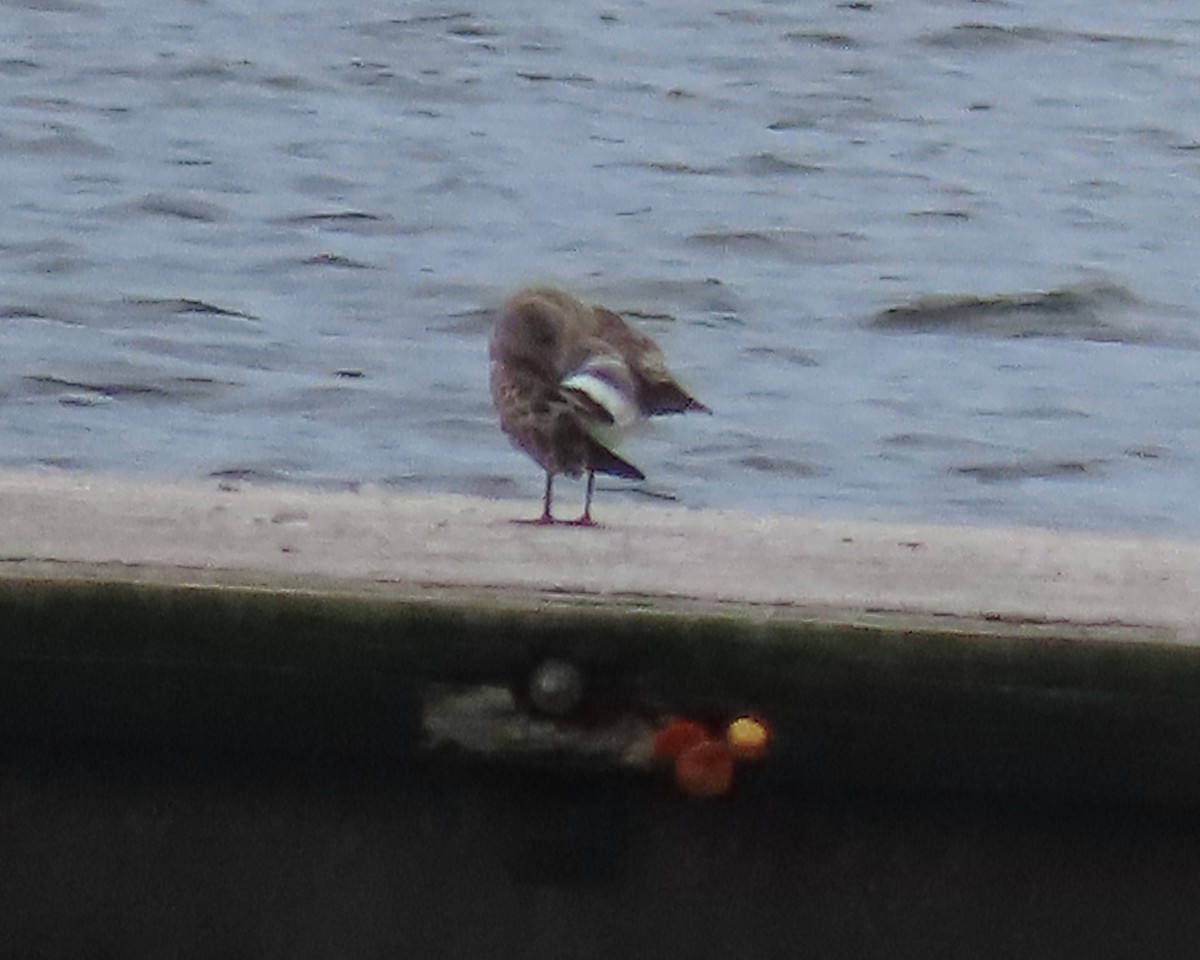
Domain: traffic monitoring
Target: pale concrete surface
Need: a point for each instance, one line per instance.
(70, 523)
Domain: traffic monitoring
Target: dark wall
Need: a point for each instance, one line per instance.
(104, 853)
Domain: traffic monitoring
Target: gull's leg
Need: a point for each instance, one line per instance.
(585, 518)
(547, 517)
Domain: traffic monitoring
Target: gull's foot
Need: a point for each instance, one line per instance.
(545, 520)
(551, 522)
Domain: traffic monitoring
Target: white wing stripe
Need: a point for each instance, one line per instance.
(619, 404)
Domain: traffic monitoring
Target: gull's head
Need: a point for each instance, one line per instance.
(528, 333)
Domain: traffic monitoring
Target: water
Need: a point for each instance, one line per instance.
(926, 261)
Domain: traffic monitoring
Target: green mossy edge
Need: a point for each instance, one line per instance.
(1043, 710)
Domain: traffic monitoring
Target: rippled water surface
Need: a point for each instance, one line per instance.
(929, 260)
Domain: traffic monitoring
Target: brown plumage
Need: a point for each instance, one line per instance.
(565, 375)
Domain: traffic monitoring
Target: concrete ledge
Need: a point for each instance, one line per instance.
(291, 536)
(1017, 662)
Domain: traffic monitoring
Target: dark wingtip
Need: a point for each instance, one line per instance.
(603, 460)
(670, 397)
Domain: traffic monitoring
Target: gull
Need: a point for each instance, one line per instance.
(567, 379)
